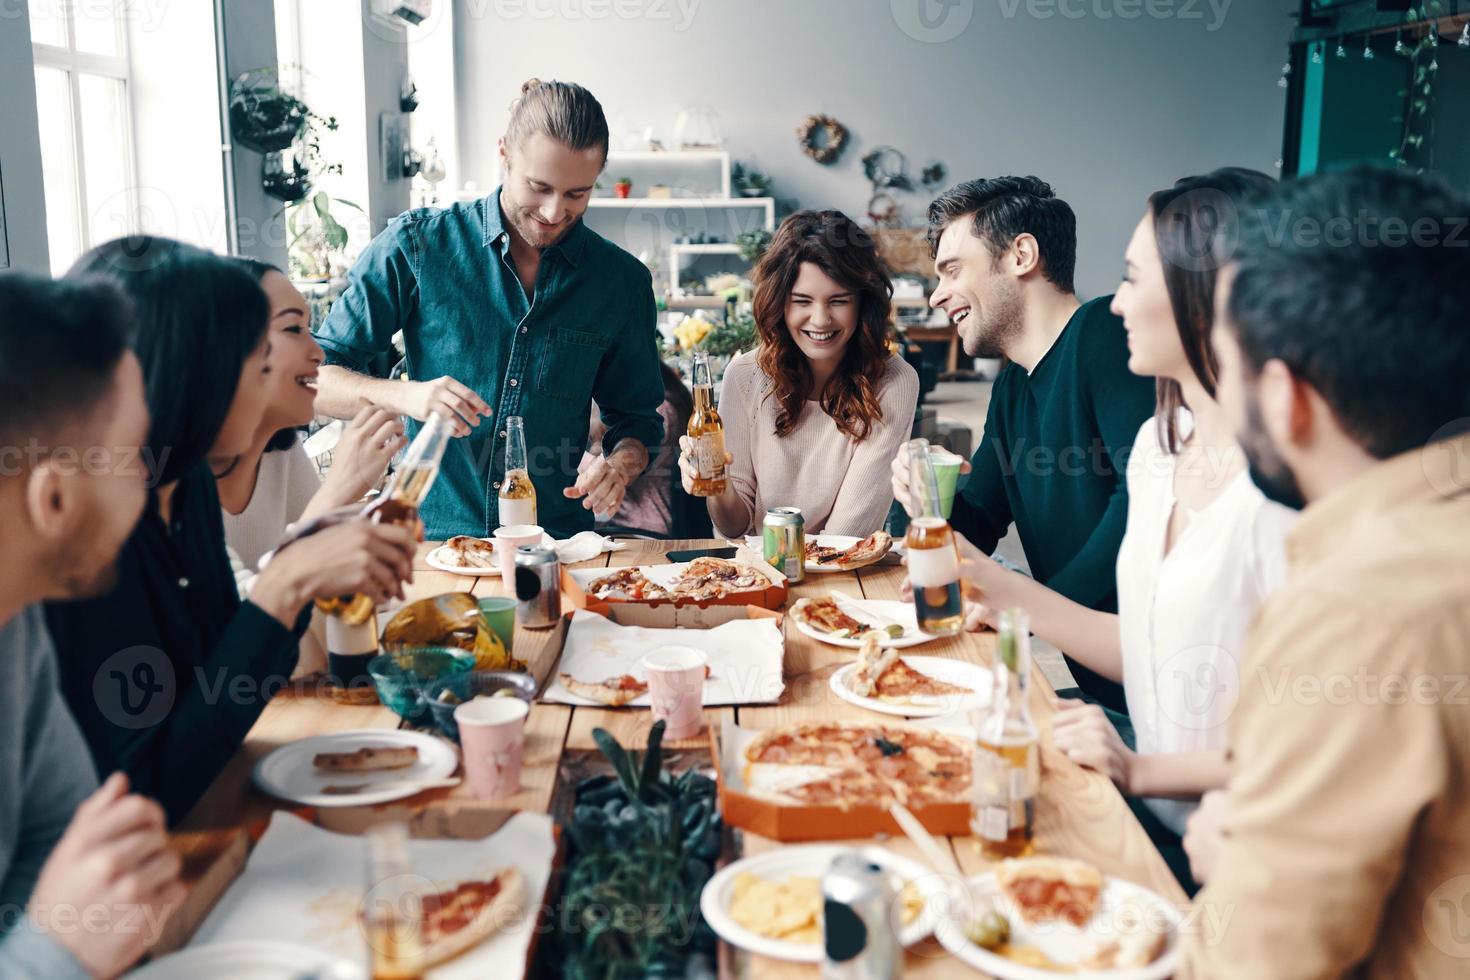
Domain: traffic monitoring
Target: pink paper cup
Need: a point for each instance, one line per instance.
(507, 540)
(676, 689)
(492, 733)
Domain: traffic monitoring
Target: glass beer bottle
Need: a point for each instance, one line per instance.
(1007, 764)
(399, 504)
(517, 503)
(707, 432)
(934, 562)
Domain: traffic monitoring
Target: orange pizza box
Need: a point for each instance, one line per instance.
(740, 807)
(210, 870)
(574, 583)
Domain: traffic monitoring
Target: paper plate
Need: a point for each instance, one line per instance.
(441, 558)
(288, 773)
(809, 861)
(881, 610)
(252, 960)
(839, 541)
(958, 672)
(1063, 943)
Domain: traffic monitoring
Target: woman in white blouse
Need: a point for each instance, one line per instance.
(274, 483)
(1202, 547)
(816, 413)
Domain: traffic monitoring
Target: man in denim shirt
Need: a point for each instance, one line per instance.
(510, 305)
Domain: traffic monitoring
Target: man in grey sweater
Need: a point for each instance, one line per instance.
(85, 872)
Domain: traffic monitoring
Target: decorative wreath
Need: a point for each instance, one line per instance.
(883, 210)
(833, 138)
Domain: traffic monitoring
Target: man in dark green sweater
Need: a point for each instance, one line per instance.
(1065, 409)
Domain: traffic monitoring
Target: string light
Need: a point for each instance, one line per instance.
(1368, 54)
(1434, 33)
(1464, 40)
(1341, 49)
(1399, 47)
(1316, 54)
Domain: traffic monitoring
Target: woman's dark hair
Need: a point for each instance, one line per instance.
(1192, 221)
(199, 316)
(834, 243)
(287, 438)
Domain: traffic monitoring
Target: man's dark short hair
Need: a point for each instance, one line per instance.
(60, 345)
(1359, 281)
(1003, 208)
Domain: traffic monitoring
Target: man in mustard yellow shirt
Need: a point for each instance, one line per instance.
(1342, 845)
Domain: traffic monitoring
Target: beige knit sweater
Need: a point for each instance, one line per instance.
(841, 486)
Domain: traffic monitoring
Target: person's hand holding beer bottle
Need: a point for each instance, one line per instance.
(689, 468)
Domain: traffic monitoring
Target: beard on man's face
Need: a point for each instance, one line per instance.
(1268, 471)
(993, 327)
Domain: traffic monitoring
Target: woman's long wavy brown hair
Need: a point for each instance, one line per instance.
(835, 244)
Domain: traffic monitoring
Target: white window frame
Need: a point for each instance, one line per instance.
(118, 67)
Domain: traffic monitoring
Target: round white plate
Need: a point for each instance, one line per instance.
(958, 672)
(250, 960)
(838, 541)
(1062, 943)
(883, 610)
(440, 558)
(808, 861)
(288, 774)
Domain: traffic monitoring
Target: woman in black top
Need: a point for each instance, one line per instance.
(168, 672)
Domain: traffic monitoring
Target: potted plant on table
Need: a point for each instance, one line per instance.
(623, 187)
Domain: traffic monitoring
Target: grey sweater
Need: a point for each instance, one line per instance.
(45, 773)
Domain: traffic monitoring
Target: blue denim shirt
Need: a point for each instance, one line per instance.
(447, 280)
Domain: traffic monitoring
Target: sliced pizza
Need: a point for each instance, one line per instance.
(823, 615)
(1050, 889)
(708, 577)
(627, 583)
(471, 552)
(885, 676)
(859, 555)
(368, 758)
(614, 691)
(460, 916)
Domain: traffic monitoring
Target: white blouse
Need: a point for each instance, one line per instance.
(1183, 616)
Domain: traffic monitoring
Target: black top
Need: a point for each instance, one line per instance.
(168, 672)
(1054, 460)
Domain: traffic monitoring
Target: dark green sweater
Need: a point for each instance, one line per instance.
(1053, 460)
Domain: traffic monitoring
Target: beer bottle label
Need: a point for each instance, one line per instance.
(933, 567)
(995, 822)
(709, 455)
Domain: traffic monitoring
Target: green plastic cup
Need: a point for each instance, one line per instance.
(499, 614)
(947, 473)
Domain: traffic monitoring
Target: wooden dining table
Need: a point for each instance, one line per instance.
(1078, 812)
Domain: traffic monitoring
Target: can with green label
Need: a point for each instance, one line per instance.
(783, 540)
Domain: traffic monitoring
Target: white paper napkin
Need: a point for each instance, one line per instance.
(744, 657)
(304, 884)
(585, 545)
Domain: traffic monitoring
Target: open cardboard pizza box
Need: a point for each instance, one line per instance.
(574, 583)
(211, 880)
(790, 822)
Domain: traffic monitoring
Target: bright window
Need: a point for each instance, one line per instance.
(86, 121)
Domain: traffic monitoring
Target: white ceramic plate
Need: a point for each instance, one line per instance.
(808, 861)
(250, 960)
(1063, 943)
(442, 559)
(288, 774)
(958, 672)
(881, 611)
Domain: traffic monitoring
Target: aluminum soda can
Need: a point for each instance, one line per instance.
(783, 541)
(537, 587)
(858, 941)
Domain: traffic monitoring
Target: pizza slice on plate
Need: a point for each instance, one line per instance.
(460, 916)
(883, 675)
(471, 552)
(369, 758)
(824, 616)
(859, 555)
(1050, 889)
(615, 691)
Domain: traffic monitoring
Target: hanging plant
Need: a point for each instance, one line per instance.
(264, 117)
(822, 138)
(285, 184)
(887, 169)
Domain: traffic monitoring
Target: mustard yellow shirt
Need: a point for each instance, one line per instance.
(1347, 849)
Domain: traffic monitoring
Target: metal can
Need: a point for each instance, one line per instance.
(858, 941)
(538, 587)
(783, 541)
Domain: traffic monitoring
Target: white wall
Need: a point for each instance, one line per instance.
(20, 151)
(1104, 107)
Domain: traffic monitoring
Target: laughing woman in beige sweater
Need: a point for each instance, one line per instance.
(814, 415)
